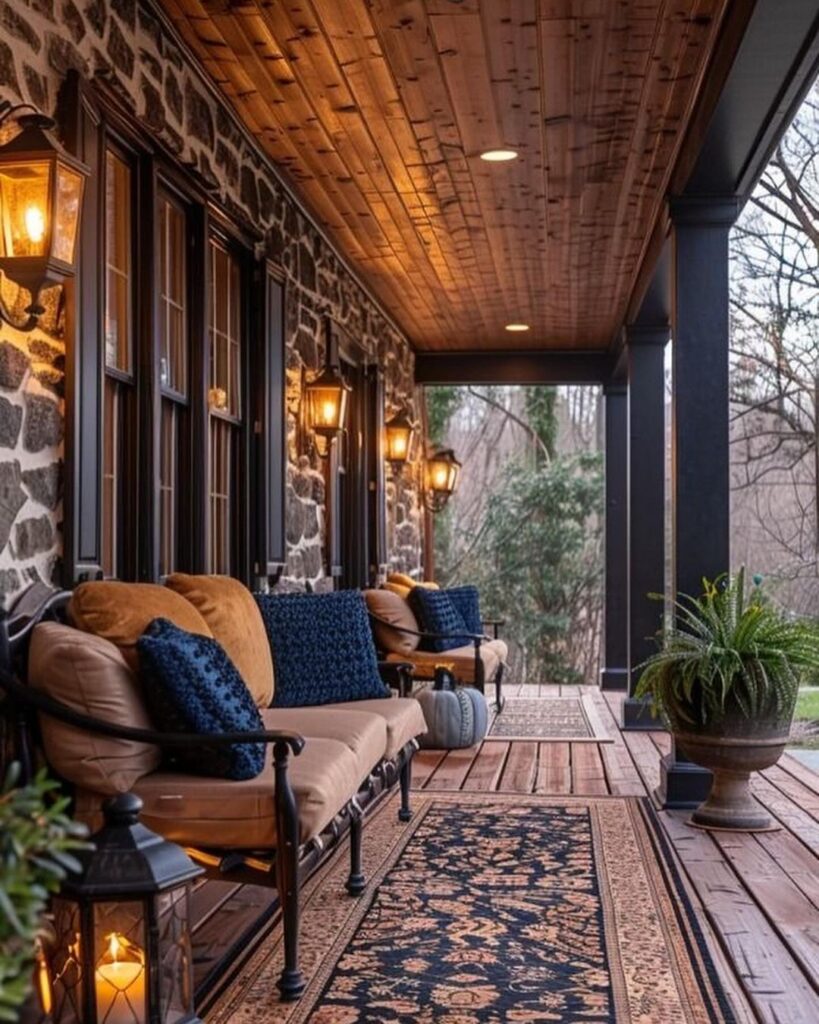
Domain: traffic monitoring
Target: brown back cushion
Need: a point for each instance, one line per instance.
(395, 610)
(90, 675)
(233, 616)
(121, 612)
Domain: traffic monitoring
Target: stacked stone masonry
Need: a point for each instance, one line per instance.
(130, 44)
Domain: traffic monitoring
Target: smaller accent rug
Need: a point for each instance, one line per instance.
(544, 718)
(489, 908)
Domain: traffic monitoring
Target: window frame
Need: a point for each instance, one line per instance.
(94, 116)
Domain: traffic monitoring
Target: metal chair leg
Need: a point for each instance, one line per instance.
(498, 685)
(405, 813)
(291, 984)
(356, 883)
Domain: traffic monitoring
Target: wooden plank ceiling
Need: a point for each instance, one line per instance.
(377, 111)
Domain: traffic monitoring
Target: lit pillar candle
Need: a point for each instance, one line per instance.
(120, 984)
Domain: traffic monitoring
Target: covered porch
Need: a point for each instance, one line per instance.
(390, 196)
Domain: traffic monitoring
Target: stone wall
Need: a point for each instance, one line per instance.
(128, 43)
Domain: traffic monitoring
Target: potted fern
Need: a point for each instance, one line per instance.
(725, 681)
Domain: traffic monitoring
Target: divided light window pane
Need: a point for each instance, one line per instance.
(225, 332)
(118, 259)
(173, 368)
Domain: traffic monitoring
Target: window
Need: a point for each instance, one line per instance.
(225, 409)
(119, 384)
(173, 334)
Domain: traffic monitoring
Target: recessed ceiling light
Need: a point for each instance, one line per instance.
(517, 327)
(498, 156)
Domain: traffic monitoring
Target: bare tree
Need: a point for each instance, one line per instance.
(775, 368)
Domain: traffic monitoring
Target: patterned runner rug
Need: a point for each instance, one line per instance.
(543, 718)
(494, 908)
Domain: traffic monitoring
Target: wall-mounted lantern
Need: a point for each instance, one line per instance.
(440, 479)
(398, 431)
(41, 190)
(325, 398)
(120, 952)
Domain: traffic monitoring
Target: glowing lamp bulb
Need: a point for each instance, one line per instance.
(328, 411)
(35, 224)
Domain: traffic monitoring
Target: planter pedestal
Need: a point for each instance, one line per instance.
(730, 804)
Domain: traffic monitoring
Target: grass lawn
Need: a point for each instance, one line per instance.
(807, 706)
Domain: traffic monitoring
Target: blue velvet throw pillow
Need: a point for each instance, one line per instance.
(322, 647)
(191, 685)
(467, 600)
(437, 613)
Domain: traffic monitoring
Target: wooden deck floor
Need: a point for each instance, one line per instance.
(757, 895)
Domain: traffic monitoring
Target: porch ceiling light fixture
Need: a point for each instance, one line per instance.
(399, 431)
(499, 156)
(41, 190)
(515, 328)
(120, 947)
(440, 479)
(325, 398)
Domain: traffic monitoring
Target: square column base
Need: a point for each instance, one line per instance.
(614, 679)
(637, 716)
(683, 784)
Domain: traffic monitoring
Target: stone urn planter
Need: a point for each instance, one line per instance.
(725, 679)
(732, 749)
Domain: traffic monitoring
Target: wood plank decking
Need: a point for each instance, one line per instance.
(757, 895)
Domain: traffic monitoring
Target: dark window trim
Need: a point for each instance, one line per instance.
(92, 116)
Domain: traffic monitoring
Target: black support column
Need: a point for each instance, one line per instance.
(646, 344)
(700, 422)
(614, 675)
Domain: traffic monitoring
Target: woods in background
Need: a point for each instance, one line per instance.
(525, 523)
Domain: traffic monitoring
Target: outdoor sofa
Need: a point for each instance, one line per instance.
(71, 659)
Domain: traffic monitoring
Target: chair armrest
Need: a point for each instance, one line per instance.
(427, 636)
(63, 713)
(496, 624)
(398, 675)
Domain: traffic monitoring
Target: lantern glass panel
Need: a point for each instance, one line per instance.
(24, 194)
(326, 407)
(438, 475)
(398, 442)
(120, 967)
(66, 213)
(63, 955)
(175, 958)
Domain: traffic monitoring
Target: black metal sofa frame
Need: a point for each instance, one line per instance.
(476, 639)
(288, 866)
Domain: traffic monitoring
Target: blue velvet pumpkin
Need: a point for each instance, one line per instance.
(456, 717)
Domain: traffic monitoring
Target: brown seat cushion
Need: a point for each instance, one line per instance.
(461, 660)
(90, 675)
(218, 813)
(365, 734)
(233, 616)
(121, 612)
(394, 609)
(402, 716)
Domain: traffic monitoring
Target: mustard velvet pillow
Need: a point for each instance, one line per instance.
(234, 619)
(121, 612)
(403, 580)
(397, 588)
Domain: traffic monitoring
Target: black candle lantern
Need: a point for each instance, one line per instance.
(325, 398)
(120, 952)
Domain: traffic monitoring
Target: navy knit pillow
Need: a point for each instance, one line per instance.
(322, 647)
(191, 685)
(467, 601)
(437, 613)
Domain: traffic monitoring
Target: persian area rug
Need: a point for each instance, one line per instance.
(495, 908)
(544, 718)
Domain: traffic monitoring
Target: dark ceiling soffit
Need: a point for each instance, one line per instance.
(771, 66)
(535, 367)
